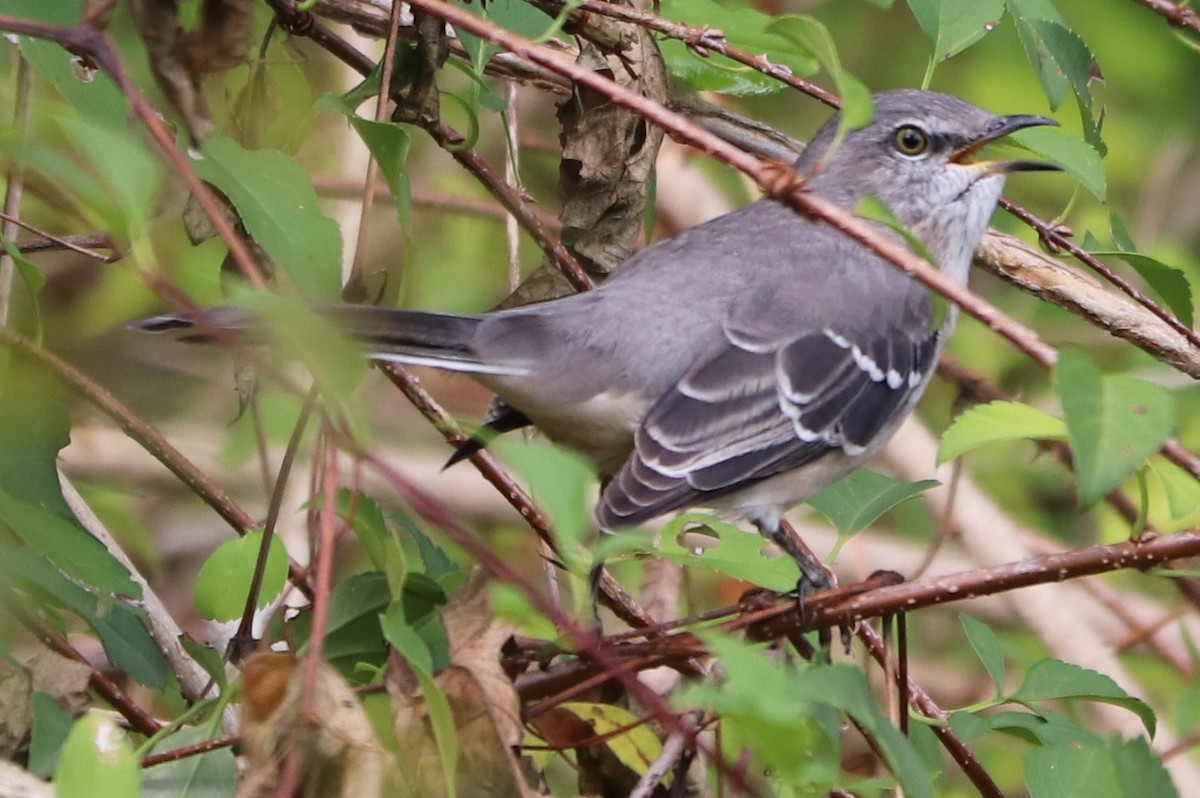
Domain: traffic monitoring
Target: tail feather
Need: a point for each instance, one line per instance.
(403, 336)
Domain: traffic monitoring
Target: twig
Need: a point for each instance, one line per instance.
(1177, 14)
(674, 748)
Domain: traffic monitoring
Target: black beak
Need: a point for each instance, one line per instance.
(1001, 128)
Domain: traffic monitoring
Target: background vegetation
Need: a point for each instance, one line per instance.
(153, 494)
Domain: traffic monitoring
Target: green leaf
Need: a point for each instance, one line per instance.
(727, 550)
(126, 642)
(854, 502)
(1059, 57)
(278, 206)
(1055, 680)
(34, 282)
(1077, 157)
(1171, 284)
(857, 107)
(1182, 489)
(987, 648)
(997, 421)
(379, 542)
(126, 172)
(1118, 769)
(745, 28)
(51, 726)
(96, 760)
(952, 26)
(66, 544)
(558, 480)
(389, 144)
(224, 580)
(208, 775)
(1113, 423)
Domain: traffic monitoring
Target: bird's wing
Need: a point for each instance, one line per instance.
(759, 407)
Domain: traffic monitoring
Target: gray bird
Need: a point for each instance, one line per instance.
(751, 361)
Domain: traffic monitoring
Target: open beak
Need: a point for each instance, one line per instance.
(1004, 126)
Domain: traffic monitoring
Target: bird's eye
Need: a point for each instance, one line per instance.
(911, 141)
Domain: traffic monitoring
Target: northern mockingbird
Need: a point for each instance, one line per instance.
(746, 363)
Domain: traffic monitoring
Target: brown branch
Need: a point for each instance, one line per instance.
(1051, 234)
(1177, 14)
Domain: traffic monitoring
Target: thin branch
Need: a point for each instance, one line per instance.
(16, 181)
(1177, 14)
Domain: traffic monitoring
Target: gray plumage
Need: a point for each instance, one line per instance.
(754, 359)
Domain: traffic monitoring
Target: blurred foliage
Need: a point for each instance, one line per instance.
(292, 144)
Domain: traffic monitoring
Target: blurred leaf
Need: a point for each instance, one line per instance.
(558, 480)
(34, 282)
(987, 648)
(223, 583)
(997, 421)
(278, 206)
(208, 775)
(379, 542)
(854, 502)
(1040, 728)
(745, 28)
(1055, 680)
(51, 726)
(519, 17)
(1077, 157)
(1114, 423)
(96, 760)
(389, 143)
(1121, 238)
(953, 26)
(127, 172)
(857, 107)
(66, 544)
(1116, 769)
(1182, 489)
(335, 363)
(352, 632)
(633, 743)
(272, 105)
(36, 424)
(1171, 284)
(727, 550)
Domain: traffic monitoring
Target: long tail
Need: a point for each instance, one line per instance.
(404, 336)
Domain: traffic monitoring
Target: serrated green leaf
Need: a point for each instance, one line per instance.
(997, 421)
(855, 501)
(223, 583)
(1077, 157)
(1171, 284)
(953, 26)
(1116, 769)
(126, 642)
(1113, 423)
(66, 544)
(96, 760)
(277, 204)
(987, 648)
(745, 28)
(1055, 680)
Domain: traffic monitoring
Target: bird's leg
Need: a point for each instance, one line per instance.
(813, 575)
